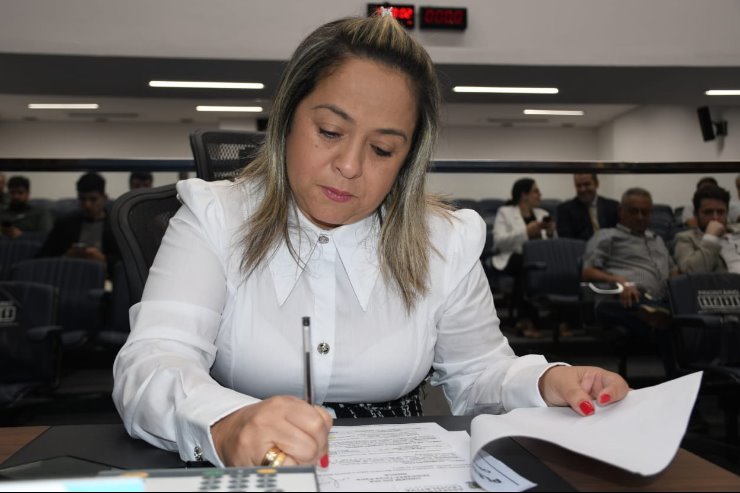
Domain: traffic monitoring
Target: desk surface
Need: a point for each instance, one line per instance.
(687, 472)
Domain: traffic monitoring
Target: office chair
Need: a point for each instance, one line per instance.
(12, 251)
(30, 340)
(488, 208)
(662, 222)
(221, 154)
(139, 219)
(80, 283)
(705, 336)
(552, 275)
(465, 203)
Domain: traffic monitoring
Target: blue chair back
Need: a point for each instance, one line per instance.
(80, 283)
(553, 268)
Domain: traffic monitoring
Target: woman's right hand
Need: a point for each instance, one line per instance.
(297, 428)
(534, 229)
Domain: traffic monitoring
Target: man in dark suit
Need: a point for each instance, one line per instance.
(85, 233)
(587, 212)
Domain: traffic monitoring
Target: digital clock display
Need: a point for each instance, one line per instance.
(454, 18)
(402, 13)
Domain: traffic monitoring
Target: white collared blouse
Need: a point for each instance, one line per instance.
(206, 341)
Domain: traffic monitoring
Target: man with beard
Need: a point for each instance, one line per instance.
(587, 212)
(20, 217)
(713, 245)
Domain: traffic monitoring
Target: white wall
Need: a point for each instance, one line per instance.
(523, 32)
(652, 133)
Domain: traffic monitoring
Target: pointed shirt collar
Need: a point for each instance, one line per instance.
(356, 245)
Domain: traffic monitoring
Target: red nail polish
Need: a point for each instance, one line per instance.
(605, 398)
(586, 407)
(325, 461)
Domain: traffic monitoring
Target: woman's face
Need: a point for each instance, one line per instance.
(348, 140)
(534, 197)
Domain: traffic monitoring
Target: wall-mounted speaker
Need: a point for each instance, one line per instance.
(705, 122)
(710, 129)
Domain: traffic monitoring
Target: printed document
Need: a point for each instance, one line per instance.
(640, 434)
(407, 457)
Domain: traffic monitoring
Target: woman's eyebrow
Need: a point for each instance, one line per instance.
(345, 116)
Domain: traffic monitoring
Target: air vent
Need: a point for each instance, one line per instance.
(186, 120)
(103, 115)
(30, 119)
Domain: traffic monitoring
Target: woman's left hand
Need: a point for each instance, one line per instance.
(577, 386)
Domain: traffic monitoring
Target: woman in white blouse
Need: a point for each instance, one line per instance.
(330, 221)
(517, 222)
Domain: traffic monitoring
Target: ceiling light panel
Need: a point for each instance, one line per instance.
(555, 112)
(238, 109)
(505, 90)
(723, 92)
(64, 106)
(205, 85)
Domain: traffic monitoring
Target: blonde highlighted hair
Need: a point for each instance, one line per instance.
(404, 246)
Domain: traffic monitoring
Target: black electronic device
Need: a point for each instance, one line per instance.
(710, 129)
(403, 13)
(450, 18)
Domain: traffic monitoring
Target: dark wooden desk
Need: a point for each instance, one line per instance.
(687, 472)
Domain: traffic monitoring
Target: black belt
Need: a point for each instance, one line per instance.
(406, 406)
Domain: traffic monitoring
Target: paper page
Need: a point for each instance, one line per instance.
(405, 457)
(641, 433)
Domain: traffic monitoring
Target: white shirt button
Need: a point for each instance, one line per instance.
(323, 239)
(322, 348)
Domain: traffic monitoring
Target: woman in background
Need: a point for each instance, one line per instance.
(517, 222)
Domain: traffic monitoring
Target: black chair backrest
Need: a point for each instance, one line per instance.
(489, 207)
(25, 358)
(706, 310)
(80, 283)
(705, 294)
(662, 222)
(13, 251)
(222, 154)
(553, 266)
(139, 219)
(465, 204)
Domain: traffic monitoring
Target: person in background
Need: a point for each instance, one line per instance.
(688, 218)
(587, 212)
(733, 215)
(140, 179)
(713, 246)
(635, 258)
(19, 216)
(85, 233)
(517, 222)
(330, 221)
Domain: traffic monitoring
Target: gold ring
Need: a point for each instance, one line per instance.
(272, 456)
(278, 460)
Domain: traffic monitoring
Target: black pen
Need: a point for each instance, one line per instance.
(307, 375)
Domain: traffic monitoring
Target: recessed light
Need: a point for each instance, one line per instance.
(723, 92)
(555, 112)
(241, 109)
(206, 85)
(506, 90)
(63, 106)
